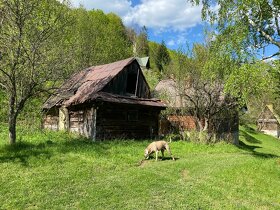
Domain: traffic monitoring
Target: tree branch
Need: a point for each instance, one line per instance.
(271, 56)
(5, 73)
(277, 25)
(3, 86)
(267, 36)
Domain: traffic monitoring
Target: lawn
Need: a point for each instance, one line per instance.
(61, 171)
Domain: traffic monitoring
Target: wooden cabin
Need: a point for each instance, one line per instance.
(224, 125)
(105, 102)
(269, 122)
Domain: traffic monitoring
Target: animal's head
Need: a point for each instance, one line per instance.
(146, 153)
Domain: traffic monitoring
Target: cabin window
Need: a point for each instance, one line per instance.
(132, 115)
(131, 83)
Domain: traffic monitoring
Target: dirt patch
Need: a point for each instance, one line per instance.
(142, 163)
(185, 174)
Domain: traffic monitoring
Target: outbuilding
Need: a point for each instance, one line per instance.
(104, 102)
(224, 125)
(269, 121)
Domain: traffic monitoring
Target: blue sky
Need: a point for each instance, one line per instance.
(176, 22)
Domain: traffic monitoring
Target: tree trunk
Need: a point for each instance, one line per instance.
(12, 120)
(200, 126)
(12, 129)
(206, 124)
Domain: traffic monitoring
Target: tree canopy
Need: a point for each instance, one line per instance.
(246, 25)
(162, 56)
(31, 40)
(98, 38)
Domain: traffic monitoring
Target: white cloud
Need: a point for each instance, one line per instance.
(120, 7)
(177, 15)
(171, 43)
(162, 15)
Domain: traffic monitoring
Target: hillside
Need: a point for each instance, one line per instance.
(61, 171)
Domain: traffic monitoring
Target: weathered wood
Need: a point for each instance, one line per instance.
(89, 123)
(116, 123)
(63, 123)
(50, 122)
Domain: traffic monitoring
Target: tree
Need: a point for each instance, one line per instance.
(202, 92)
(33, 51)
(117, 43)
(139, 40)
(245, 29)
(246, 26)
(250, 80)
(162, 57)
(276, 74)
(98, 38)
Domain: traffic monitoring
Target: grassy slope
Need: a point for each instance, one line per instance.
(56, 171)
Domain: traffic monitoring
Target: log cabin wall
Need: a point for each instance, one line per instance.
(76, 120)
(124, 121)
(83, 122)
(273, 125)
(51, 119)
(89, 123)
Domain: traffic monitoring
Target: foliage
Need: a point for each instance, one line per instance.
(57, 171)
(153, 46)
(250, 80)
(152, 78)
(244, 30)
(98, 38)
(32, 44)
(162, 57)
(3, 109)
(276, 74)
(140, 41)
(245, 25)
(200, 85)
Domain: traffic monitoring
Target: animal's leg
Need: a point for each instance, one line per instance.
(162, 153)
(169, 151)
(156, 155)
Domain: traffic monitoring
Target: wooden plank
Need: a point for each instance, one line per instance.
(76, 119)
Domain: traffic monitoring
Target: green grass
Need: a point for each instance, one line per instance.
(61, 171)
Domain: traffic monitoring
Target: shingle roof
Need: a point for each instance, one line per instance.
(85, 85)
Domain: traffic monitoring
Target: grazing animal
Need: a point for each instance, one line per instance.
(157, 146)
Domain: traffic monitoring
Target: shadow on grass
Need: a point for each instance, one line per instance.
(251, 150)
(162, 158)
(249, 138)
(252, 142)
(83, 144)
(22, 152)
(249, 129)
